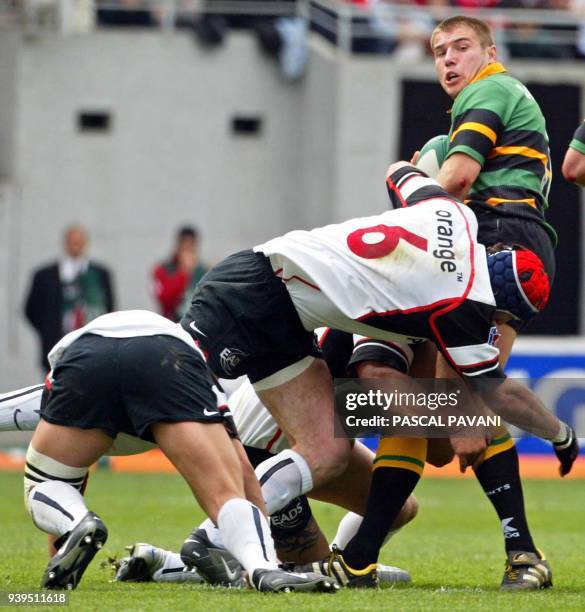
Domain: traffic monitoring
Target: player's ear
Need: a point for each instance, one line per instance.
(492, 53)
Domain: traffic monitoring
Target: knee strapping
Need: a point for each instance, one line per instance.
(282, 478)
(40, 468)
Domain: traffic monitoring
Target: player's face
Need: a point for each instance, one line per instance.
(459, 57)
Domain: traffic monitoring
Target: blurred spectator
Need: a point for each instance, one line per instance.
(546, 40)
(281, 34)
(67, 294)
(175, 279)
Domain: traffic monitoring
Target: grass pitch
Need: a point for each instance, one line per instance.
(453, 549)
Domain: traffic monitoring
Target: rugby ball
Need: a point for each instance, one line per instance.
(433, 154)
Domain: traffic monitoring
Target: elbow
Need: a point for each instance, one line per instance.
(458, 186)
(568, 171)
(573, 168)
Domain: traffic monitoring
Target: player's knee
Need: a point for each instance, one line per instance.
(329, 460)
(41, 469)
(373, 369)
(439, 452)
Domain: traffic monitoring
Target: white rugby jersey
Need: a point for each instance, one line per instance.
(416, 271)
(125, 324)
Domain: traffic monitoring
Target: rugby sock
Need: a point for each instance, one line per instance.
(398, 466)
(390, 488)
(282, 478)
(500, 479)
(246, 534)
(19, 410)
(56, 507)
(348, 527)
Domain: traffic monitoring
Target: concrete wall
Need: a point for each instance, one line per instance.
(170, 158)
(9, 42)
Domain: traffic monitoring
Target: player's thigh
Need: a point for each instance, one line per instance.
(303, 409)
(70, 445)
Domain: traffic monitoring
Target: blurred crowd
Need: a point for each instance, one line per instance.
(399, 27)
(69, 292)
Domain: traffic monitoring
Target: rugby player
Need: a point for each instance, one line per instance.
(385, 276)
(498, 163)
(574, 162)
(138, 373)
(296, 534)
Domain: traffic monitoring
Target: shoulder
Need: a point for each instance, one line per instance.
(45, 272)
(491, 90)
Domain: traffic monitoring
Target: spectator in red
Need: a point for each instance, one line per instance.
(175, 279)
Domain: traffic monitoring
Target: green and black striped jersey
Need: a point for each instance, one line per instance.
(496, 121)
(578, 142)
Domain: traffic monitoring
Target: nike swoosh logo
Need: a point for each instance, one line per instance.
(231, 574)
(15, 419)
(196, 329)
(210, 413)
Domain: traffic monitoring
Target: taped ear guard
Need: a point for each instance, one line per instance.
(519, 281)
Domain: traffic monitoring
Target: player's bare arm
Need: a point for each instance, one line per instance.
(574, 167)
(458, 173)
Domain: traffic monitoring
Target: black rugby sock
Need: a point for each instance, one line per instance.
(499, 477)
(390, 488)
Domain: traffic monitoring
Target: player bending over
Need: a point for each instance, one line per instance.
(136, 372)
(296, 534)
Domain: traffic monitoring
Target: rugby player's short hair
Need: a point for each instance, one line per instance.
(481, 28)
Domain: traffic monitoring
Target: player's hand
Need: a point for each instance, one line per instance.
(396, 166)
(414, 158)
(470, 451)
(567, 452)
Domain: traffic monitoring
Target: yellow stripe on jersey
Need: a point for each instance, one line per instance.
(498, 201)
(404, 453)
(476, 127)
(524, 151)
(499, 444)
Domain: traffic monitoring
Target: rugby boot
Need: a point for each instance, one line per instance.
(388, 574)
(75, 550)
(335, 567)
(526, 571)
(217, 565)
(279, 580)
(143, 562)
